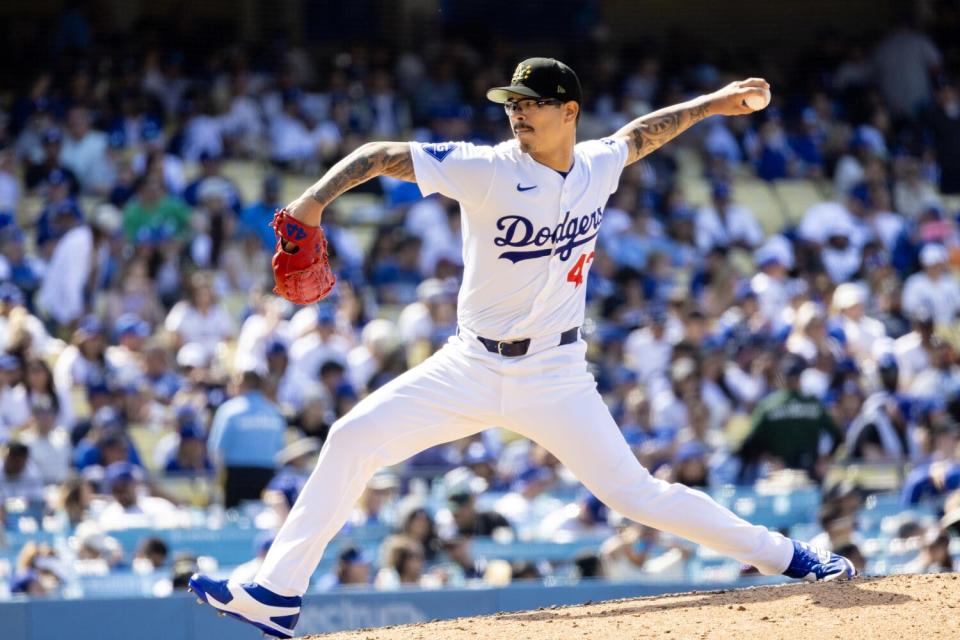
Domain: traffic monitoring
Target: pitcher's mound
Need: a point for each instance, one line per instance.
(899, 607)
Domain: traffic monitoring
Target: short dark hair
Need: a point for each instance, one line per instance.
(154, 545)
(17, 449)
(331, 366)
(251, 380)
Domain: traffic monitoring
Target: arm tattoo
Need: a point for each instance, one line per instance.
(647, 134)
(370, 160)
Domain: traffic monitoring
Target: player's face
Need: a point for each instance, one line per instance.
(538, 123)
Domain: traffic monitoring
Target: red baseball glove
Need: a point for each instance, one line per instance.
(303, 276)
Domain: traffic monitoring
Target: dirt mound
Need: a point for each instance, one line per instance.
(899, 607)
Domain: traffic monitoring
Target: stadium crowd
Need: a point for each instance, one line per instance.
(140, 342)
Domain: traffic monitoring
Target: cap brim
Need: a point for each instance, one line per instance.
(501, 94)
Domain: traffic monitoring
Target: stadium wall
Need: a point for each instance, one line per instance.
(178, 618)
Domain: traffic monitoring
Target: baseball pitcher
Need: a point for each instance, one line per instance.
(531, 208)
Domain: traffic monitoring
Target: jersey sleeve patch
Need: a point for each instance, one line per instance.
(439, 151)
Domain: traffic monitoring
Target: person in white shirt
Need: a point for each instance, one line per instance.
(14, 411)
(822, 218)
(934, 290)
(913, 350)
(770, 284)
(861, 331)
(268, 322)
(292, 389)
(85, 151)
(433, 316)
(318, 340)
(125, 360)
(201, 319)
(129, 509)
(61, 294)
(82, 363)
(291, 140)
(19, 475)
(649, 348)
(49, 443)
(726, 224)
(16, 320)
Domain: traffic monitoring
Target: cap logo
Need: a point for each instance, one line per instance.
(561, 89)
(521, 74)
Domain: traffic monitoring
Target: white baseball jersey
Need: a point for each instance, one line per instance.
(528, 232)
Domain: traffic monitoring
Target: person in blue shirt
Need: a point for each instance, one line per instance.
(210, 165)
(256, 218)
(190, 456)
(248, 433)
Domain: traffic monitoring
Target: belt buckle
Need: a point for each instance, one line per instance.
(500, 344)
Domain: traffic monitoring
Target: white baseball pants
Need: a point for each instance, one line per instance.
(547, 396)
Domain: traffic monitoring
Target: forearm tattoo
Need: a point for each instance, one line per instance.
(652, 131)
(370, 160)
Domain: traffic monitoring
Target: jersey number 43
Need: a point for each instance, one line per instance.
(575, 275)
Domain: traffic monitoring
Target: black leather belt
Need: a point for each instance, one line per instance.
(516, 348)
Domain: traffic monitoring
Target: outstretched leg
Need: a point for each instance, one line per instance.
(556, 404)
(447, 397)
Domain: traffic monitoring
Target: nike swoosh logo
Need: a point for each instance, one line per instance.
(519, 188)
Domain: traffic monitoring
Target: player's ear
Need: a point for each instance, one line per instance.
(571, 112)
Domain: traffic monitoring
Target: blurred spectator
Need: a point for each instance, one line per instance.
(624, 554)
(934, 557)
(466, 520)
(256, 218)
(861, 333)
(401, 565)
(247, 571)
(881, 432)
(726, 224)
(528, 500)
(905, 60)
(62, 292)
(931, 481)
(418, 525)
(786, 428)
(316, 341)
(49, 442)
(246, 435)
(85, 151)
(152, 554)
(291, 389)
(585, 518)
(913, 350)
(38, 174)
(211, 165)
(82, 365)
(152, 213)
(190, 456)
(14, 412)
(943, 124)
(20, 477)
(73, 503)
(39, 571)
(934, 291)
(353, 568)
(201, 319)
(128, 508)
(372, 507)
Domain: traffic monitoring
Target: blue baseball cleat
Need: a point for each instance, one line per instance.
(273, 614)
(818, 565)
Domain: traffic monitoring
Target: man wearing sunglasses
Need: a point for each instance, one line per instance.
(531, 208)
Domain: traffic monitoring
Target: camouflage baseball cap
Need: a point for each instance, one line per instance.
(540, 78)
